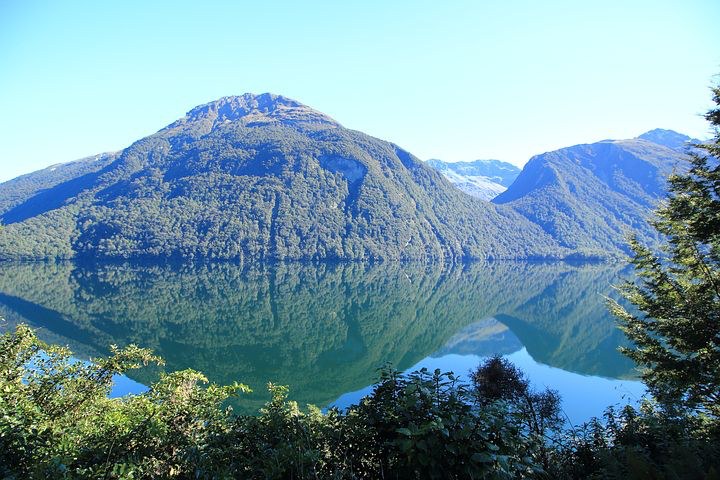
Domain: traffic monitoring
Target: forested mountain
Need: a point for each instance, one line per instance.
(591, 197)
(257, 177)
(71, 175)
(484, 179)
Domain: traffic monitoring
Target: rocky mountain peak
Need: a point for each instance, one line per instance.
(668, 138)
(254, 110)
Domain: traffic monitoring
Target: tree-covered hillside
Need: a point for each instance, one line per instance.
(72, 176)
(260, 177)
(590, 197)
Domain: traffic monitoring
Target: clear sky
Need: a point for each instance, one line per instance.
(456, 80)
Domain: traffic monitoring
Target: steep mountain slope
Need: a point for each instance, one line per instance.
(21, 189)
(262, 177)
(484, 179)
(590, 197)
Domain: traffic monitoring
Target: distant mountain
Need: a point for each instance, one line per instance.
(669, 138)
(484, 179)
(257, 177)
(483, 338)
(20, 189)
(590, 197)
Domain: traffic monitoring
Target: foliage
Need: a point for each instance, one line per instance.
(639, 444)
(424, 426)
(499, 380)
(415, 426)
(676, 335)
(57, 422)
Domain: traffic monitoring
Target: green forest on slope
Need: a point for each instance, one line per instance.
(261, 177)
(591, 197)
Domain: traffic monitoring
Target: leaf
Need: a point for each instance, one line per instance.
(482, 457)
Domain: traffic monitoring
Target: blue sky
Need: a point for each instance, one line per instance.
(456, 80)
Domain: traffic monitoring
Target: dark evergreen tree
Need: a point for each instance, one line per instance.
(676, 333)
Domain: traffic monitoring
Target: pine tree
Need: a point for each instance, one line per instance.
(676, 330)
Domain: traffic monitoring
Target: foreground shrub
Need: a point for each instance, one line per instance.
(648, 442)
(56, 421)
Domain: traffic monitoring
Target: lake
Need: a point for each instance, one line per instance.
(325, 329)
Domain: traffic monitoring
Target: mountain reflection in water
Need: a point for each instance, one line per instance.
(322, 329)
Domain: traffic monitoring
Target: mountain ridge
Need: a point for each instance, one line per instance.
(263, 177)
(592, 196)
(266, 177)
(669, 138)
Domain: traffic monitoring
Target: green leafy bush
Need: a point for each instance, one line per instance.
(58, 422)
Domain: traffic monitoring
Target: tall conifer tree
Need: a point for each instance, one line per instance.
(676, 331)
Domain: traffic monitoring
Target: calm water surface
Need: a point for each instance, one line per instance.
(325, 329)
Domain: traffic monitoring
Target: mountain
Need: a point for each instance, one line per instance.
(483, 338)
(669, 138)
(257, 177)
(20, 189)
(590, 197)
(484, 179)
